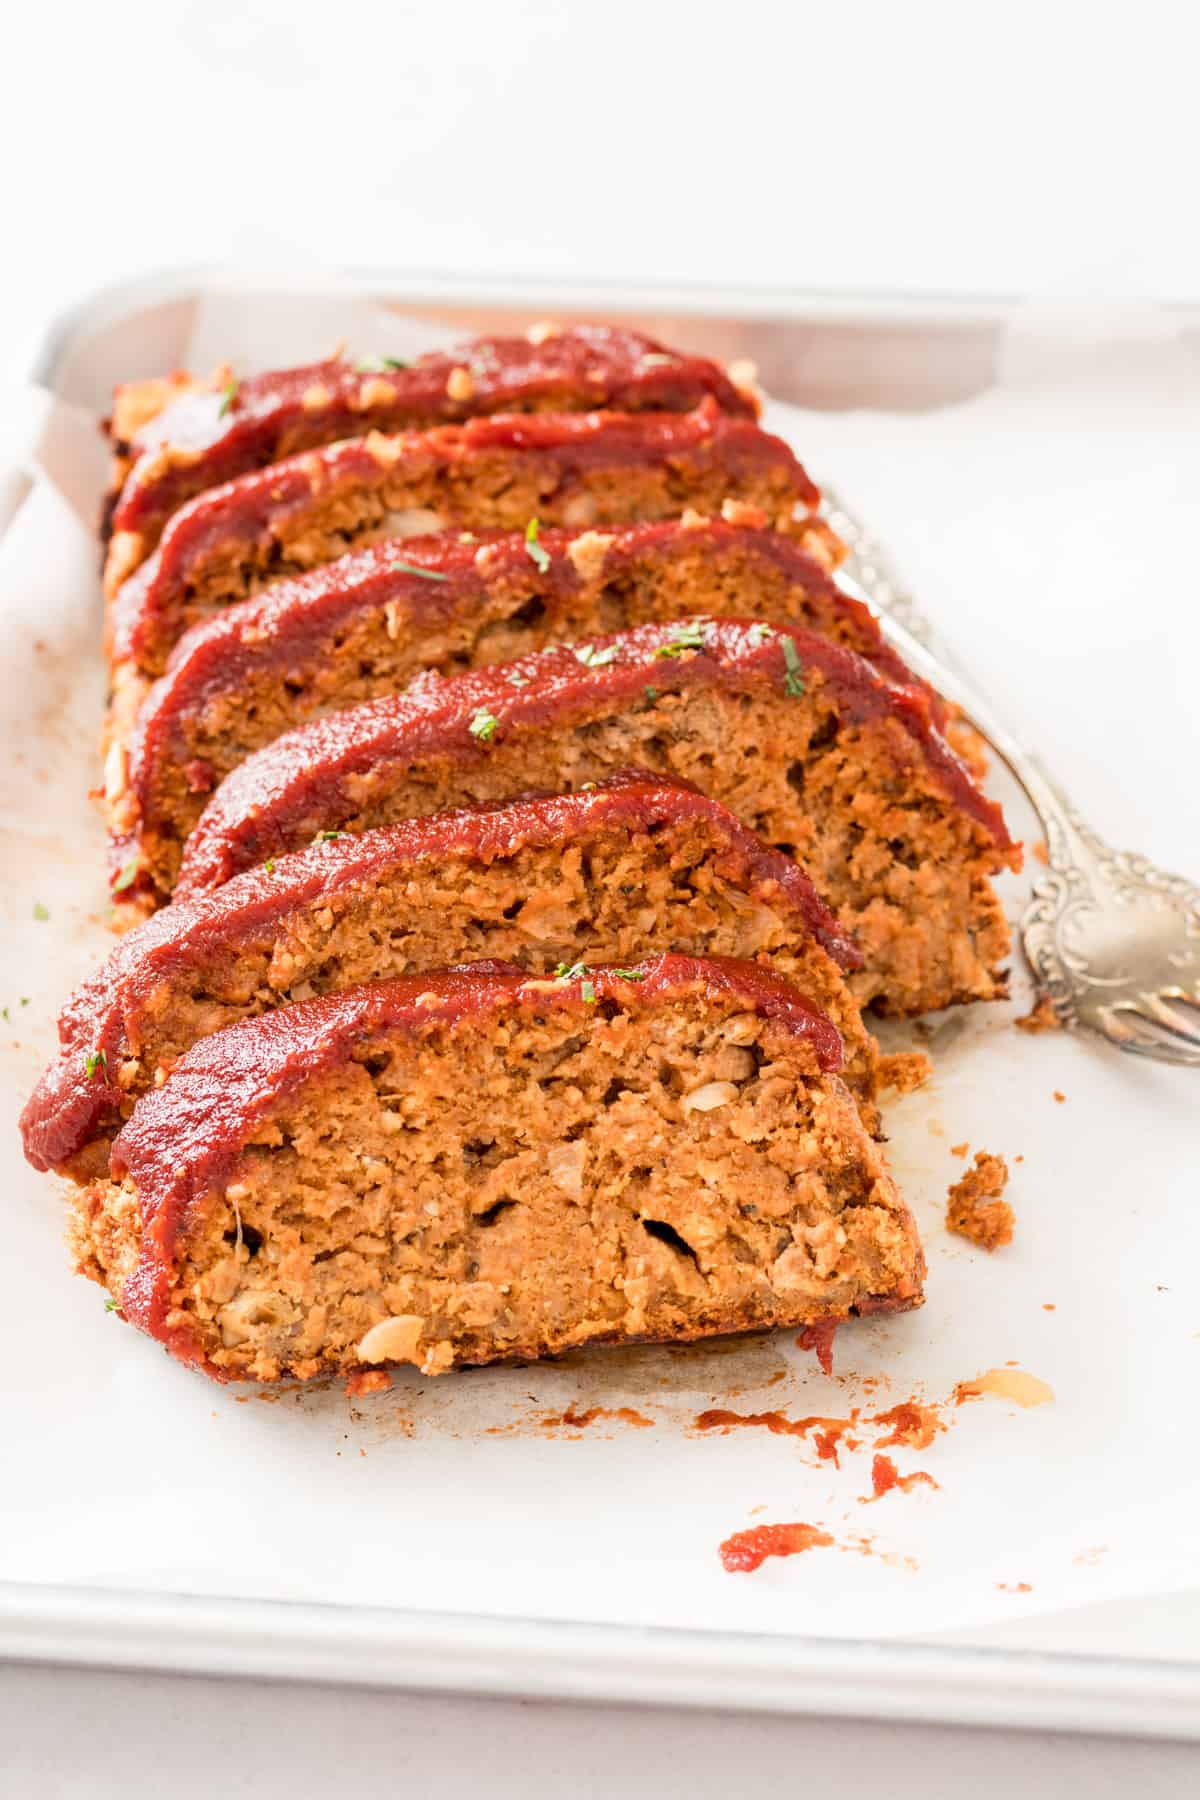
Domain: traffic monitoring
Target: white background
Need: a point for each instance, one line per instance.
(1045, 150)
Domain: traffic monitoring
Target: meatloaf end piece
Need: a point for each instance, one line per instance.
(174, 438)
(642, 864)
(365, 625)
(573, 469)
(473, 1164)
(804, 741)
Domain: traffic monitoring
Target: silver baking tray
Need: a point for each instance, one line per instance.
(1125, 1664)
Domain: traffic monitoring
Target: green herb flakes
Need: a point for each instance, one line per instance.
(403, 568)
(40, 912)
(570, 971)
(793, 681)
(269, 865)
(761, 633)
(515, 679)
(650, 693)
(630, 974)
(587, 993)
(593, 658)
(689, 637)
(483, 725)
(376, 365)
(228, 396)
(127, 877)
(537, 555)
(110, 1305)
(96, 1061)
(324, 837)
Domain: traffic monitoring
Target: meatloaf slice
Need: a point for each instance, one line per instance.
(801, 738)
(642, 864)
(501, 472)
(473, 1164)
(365, 625)
(170, 445)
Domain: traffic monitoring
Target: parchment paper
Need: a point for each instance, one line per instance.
(1046, 526)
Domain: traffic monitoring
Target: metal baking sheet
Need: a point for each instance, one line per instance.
(460, 1533)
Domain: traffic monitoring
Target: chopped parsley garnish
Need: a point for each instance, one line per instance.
(94, 1062)
(570, 971)
(537, 554)
(403, 568)
(4, 1015)
(228, 396)
(793, 681)
(375, 365)
(326, 837)
(483, 725)
(516, 679)
(587, 993)
(269, 865)
(127, 877)
(24, 1000)
(690, 637)
(630, 974)
(761, 633)
(593, 658)
(40, 911)
(110, 1305)
(650, 693)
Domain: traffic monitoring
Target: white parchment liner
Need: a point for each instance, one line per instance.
(1046, 527)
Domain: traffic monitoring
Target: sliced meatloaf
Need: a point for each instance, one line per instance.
(172, 439)
(500, 473)
(365, 625)
(474, 1164)
(640, 865)
(801, 738)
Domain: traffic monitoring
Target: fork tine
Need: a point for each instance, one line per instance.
(1188, 999)
(1162, 1012)
(1162, 1052)
(1139, 1035)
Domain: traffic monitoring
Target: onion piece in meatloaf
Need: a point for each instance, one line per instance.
(498, 473)
(475, 1164)
(172, 439)
(799, 737)
(367, 624)
(640, 865)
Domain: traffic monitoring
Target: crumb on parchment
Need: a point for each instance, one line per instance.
(367, 1381)
(975, 1210)
(905, 1072)
(1040, 1017)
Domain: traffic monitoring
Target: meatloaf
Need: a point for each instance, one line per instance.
(173, 439)
(365, 625)
(639, 865)
(499, 472)
(801, 738)
(458, 1167)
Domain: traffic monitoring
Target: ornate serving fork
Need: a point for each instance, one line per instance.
(1113, 941)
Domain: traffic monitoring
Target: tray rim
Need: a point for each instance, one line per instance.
(904, 1680)
(945, 310)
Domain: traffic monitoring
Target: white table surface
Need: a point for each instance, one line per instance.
(925, 148)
